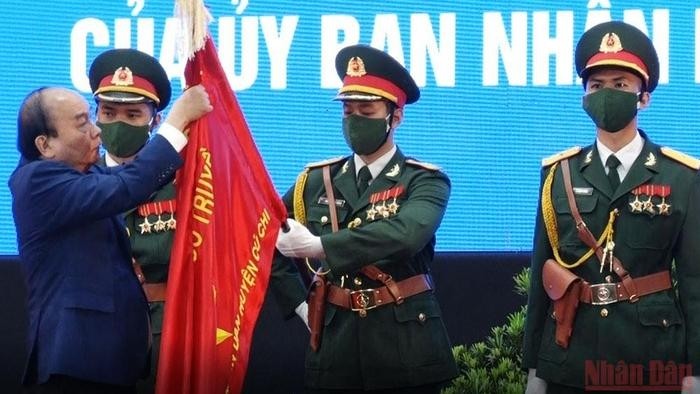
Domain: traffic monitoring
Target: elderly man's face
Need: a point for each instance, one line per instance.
(78, 140)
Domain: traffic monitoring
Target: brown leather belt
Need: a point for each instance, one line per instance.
(155, 292)
(365, 299)
(608, 293)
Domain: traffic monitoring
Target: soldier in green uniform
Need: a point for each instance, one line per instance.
(131, 88)
(613, 217)
(382, 328)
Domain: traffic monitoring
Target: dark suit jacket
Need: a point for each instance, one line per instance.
(88, 316)
(394, 345)
(659, 327)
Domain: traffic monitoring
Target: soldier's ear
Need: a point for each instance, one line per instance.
(156, 120)
(397, 118)
(644, 100)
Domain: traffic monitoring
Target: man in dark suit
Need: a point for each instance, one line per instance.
(370, 225)
(131, 88)
(601, 293)
(88, 318)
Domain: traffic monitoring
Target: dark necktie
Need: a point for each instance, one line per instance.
(363, 178)
(613, 176)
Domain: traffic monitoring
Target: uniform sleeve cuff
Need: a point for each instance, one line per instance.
(175, 137)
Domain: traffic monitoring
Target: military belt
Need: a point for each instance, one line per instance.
(609, 293)
(363, 300)
(155, 292)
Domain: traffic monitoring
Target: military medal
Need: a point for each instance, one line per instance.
(393, 207)
(171, 223)
(647, 205)
(159, 225)
(636, 205)
(158, 209)
(383, 209)
(145, 226)
(372, 212)
(664, 208)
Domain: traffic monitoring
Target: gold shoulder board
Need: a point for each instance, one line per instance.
(565, 154)
(681, 157)
(422, 164)
(325, 162)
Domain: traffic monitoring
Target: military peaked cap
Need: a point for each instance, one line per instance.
(617, 44)
(129, 76)
(370, 74)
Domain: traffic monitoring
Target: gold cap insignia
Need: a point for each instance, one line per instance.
(356, 67)
(123, 77)
(610, 43)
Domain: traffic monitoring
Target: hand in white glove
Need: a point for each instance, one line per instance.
(691, 385)
(303, 312)
(535, 385)
(299, 242)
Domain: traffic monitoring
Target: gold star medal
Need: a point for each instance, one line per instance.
(664, 208)
(648, 205)
(636, 205)
(372, 212)
(395, 193)
(145, 226)
(383, 209)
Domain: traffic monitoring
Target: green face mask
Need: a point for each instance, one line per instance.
(122, 139)
(365, 135)
(611, 109)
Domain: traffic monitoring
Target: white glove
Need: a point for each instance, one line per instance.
(691, 385)
(303, 311)
(535, 385)
(299, 242)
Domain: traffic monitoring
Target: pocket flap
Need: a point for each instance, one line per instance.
(556, 279)
(417, 309)
(585, 204)
(660, 315)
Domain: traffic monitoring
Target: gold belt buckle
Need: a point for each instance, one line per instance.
(363, 300)
(603, 293)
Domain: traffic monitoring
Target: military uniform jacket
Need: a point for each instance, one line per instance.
(394, 345)
(151, 248)
(88, 315)
(660, 326)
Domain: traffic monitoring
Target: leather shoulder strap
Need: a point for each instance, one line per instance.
(331, 197)
(585, 235)
(583, 232)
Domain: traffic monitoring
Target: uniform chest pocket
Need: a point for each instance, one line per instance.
(319, 217)
(585, 204)
(565, 221)
(641, 231)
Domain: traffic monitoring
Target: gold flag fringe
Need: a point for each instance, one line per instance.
(194, 20)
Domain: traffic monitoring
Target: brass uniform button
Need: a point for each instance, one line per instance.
(664, 322)
(604, 312)
(421, 317)
(357, 281)
(324, 219)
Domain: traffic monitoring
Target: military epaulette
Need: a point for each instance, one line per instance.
(681, 157)
(422, 164)
(565, 154)
(325, 162)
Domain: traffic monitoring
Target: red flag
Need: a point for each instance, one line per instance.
(228, 218)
